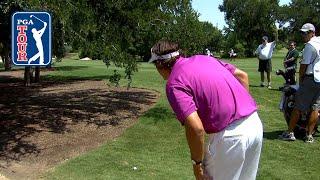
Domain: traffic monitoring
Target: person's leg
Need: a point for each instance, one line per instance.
(35, 57)
(261, 69)
(303, 102)
(262, 77)
(295, 115)
(269, 70)
(254, 145)
(313, 118)
(312, 121)
(234, 153)
(289, 134)
(225, 157)
(269, 79)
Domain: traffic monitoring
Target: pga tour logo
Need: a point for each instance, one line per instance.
(31, 38)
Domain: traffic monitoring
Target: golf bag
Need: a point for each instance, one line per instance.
(287, 104)
(288, 75)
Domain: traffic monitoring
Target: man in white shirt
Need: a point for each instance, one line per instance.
(264, 52)
(308, 94)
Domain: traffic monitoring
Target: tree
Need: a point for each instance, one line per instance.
(212, 36)
(250, 20)
(297, 13)
(122, 32)
(7, 8)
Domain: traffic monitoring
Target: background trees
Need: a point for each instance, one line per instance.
(250, 20)
(7, 8)
(119, 32)
(122, 32)
(297, 13)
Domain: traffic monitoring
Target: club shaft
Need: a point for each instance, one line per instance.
(37, 18)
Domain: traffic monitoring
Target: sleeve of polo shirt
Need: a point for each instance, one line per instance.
(296, 54)
(258, 50)
(228, 66)
(181, 101)
(307, 55)
(273, 45)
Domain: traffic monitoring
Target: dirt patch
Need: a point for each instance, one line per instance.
(46, 124)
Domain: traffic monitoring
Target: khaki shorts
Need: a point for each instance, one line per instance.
(308, 95)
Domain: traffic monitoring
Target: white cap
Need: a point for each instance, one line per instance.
(164, 57)
(308, 27)
(265, 38)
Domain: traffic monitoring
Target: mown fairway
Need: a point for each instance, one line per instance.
(156, 145)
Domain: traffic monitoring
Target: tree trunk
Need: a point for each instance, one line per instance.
(28, 76)
(7, 62)
(37, 75)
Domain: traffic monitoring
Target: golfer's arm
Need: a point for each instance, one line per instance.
(42, 30)
(242, 78)
(302, 72)
(195, 136)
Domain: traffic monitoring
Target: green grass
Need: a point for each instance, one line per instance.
(156, 145)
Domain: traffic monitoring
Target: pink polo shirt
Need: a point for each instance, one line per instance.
(207, 85)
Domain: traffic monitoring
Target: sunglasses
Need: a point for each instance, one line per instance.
(304, 33)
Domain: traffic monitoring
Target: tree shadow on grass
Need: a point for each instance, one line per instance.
(158, 114)
(70, 68)
(26, 112)
(250, 85)
(67, 79)
(13, 69)
(9, 79)
(258, 86)
(272, 135)
(16, 75)
(275, 89)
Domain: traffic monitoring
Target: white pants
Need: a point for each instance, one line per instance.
(234, 152)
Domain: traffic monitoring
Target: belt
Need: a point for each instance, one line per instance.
(309, 75)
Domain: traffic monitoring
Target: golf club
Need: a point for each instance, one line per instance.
(36, 18)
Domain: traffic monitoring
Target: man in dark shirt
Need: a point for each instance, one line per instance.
(290, 64)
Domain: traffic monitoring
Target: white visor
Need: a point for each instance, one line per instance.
(155, 57)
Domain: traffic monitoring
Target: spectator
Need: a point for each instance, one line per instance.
(211, 96)
(232, 54)
(208, 52)
(290, 64)
(308, 94)
(264, 52)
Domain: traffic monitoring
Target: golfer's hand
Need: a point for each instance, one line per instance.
(198, 172)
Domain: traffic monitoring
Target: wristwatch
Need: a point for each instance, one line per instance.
(196, 162)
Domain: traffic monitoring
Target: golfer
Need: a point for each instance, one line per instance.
(37, 35)
(210, 96)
